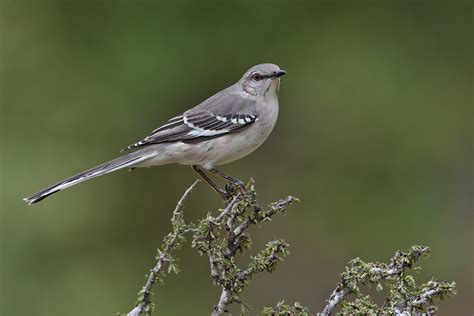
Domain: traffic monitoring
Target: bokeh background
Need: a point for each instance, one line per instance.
(374, 135)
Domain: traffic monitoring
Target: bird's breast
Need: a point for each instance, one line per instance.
(238, 145)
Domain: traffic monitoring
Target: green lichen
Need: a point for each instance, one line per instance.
(223, 235)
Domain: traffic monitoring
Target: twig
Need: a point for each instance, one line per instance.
(223, 302)
(179, 228)
(336, 297)
(405, 297)
(425, 297)
(276, 207)
(432, 289)
(228, 208)
(177, 210)
(222, 236)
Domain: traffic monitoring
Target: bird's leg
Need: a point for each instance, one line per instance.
(232, 180)
(200, 172)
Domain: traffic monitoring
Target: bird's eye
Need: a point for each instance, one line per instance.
(257, 77)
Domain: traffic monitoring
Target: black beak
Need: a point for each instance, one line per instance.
(278, 73)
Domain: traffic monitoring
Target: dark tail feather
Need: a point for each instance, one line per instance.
(112, 165)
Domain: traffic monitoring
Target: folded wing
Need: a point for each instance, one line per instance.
(197, 127)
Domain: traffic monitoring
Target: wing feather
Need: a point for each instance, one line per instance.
(198, 127)
(223, 113)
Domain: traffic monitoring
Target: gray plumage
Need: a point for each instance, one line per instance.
(225, 127)
(210, 116)
(109, 166)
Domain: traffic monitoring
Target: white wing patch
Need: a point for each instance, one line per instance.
(195, 126)
(221, 118)
(212, 125)
(201, 132)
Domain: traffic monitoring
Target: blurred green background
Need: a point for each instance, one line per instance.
(374, 136)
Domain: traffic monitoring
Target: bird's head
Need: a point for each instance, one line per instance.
(261, 79)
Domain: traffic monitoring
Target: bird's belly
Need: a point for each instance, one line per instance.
(233, 147)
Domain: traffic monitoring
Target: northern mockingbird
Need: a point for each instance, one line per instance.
(228, 126)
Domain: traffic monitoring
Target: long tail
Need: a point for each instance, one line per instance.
(125, 161)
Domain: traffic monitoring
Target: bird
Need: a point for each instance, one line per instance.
(227, 126)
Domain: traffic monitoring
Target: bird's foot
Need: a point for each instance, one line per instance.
(225, 195)
(240, 184)
(235, 187)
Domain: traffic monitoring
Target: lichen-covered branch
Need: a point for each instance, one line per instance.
(404, 298)
(282, 309)
(221, 237)
(335, 298)
(172, 241)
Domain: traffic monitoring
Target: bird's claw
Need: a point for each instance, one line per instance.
(235, 187)
(225, 195)
(240, 184)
